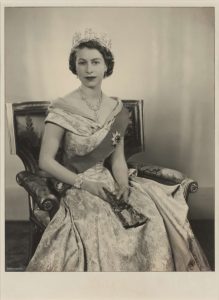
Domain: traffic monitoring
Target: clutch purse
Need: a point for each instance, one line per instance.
(128, 216)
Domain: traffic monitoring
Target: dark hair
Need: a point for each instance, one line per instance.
(93, 44)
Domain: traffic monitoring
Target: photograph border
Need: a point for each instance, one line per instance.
(107, 285)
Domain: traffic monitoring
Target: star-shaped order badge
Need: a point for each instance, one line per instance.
(116, 138)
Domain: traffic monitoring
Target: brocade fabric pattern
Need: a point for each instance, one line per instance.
(85, 234)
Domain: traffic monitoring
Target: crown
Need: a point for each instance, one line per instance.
(89, 35)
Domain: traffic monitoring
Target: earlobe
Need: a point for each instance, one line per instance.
(105, 72)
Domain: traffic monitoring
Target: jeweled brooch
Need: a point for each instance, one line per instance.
(116, 138)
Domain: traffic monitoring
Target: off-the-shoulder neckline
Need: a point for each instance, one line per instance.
(61, 104)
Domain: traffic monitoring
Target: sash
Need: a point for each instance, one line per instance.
(79, 164)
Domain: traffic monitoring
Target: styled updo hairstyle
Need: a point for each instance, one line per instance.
(93, 44)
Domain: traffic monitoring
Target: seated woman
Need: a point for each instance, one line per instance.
(107, 221)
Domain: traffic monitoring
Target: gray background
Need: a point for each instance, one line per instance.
(164, 56)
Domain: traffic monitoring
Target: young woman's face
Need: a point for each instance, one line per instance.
(90, 67)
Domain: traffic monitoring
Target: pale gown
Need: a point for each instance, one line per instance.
(86, 235)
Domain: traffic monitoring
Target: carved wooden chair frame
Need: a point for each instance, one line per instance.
(44, 197)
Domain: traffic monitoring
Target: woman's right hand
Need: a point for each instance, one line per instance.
(95, 188)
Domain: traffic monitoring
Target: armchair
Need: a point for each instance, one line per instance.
(26, 123)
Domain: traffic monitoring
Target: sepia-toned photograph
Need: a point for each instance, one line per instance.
(109, 144)
(109, 149)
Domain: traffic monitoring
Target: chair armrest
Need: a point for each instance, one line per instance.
(161, 174)
(38, 189)
(56, 186)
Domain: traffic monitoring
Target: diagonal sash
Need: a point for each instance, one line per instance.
(80, 164)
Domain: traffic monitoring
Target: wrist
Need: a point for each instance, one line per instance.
(84, 184)
(78, 182)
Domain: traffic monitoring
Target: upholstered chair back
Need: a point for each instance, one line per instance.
(26, 125)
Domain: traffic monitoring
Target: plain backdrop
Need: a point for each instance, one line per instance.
(164, 56)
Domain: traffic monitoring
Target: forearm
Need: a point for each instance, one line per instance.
(120, 172)
(58, 171)
(119, 166)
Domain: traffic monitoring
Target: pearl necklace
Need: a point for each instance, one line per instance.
(94, 107)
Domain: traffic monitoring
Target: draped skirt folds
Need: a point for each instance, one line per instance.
(86, 235)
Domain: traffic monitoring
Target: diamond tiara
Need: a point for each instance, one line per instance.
(89, 35)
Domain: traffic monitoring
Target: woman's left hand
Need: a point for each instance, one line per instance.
(123, 193)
